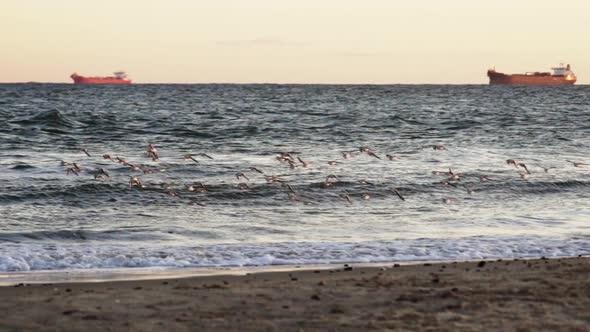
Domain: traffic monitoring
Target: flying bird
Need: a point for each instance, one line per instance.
(305, 164)
(254, 169)
(242, 175)
(85, 151)
(395, 191)
(345, 197)
(525, 168)
(190, 157)
(101, 174)
(577, 163)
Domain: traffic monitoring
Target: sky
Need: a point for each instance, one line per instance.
(291, 41)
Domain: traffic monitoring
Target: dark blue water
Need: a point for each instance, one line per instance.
(52, 218)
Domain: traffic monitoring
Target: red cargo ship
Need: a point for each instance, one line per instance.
(119, 78)
(558, 76)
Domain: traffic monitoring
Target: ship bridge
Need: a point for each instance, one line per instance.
(562, 71)
(120, 74)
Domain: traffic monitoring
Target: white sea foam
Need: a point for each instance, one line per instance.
(34, 257)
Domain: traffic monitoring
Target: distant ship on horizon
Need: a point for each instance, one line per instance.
(119, 78)
(561, 75)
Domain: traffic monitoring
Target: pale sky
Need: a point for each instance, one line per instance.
(291, 41)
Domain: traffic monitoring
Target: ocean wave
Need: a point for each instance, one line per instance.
(50, 119)
(84, 187)
(22, 166)
(52, 192)
(87, 236)
(16, 257)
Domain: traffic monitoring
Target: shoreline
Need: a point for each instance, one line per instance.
(102, 275)
(516, 294)
(158, 273)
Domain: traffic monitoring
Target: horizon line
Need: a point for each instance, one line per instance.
(266, 83)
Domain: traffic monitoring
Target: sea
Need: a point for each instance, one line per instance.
(267, 175)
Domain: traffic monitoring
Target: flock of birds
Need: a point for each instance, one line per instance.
(293, 160)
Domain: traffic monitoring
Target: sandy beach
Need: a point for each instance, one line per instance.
(502, 295)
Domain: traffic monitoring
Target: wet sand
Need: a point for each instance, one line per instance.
(504, 295)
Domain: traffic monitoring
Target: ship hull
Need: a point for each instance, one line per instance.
(520, 79)
(99, 80)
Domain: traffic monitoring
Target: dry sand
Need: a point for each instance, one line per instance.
(509, 295)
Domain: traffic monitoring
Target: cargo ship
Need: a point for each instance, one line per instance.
(119, 78)
(561, 75)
